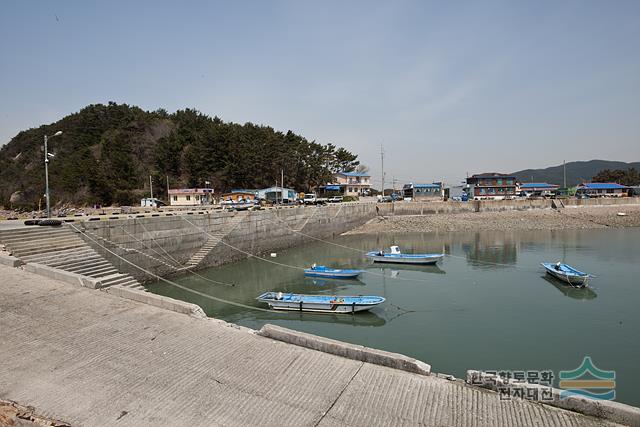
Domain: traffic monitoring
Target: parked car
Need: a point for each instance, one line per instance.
(335, 199)
(385, 199)
(312, 199)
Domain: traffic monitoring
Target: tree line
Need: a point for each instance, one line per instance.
(629, 177)
(106, 154)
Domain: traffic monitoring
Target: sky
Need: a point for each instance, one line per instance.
(447, 88)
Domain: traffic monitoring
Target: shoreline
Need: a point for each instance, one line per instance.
(579, 217)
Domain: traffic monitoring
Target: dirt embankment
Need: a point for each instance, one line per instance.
(534, 219)
(14, 414)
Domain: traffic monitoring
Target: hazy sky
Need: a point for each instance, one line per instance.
(447, 87)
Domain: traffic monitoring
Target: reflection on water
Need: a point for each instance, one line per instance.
(333, 283)
(491, 251)
(396, 270)
(488, 305)
(571, 291)
(372, 318)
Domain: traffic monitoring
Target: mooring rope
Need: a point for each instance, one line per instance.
(187, 268)
(249, 254)
(170, 282)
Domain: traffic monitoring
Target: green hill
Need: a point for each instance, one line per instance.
(107, 152)
(577, 172)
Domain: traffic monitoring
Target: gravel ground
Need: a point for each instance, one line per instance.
(535, 219)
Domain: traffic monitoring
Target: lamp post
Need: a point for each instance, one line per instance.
(46, 170)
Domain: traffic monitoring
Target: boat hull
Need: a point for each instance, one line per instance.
(327, 275)
(319, 308)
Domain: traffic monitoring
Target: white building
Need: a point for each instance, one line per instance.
(353, 183)
(191, 196)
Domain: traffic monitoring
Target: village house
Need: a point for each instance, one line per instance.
(491, 186)
(353, 183)
(191, 196)
(415, 192)
(602, 189)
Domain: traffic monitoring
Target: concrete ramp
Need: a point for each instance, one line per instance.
(60, 250)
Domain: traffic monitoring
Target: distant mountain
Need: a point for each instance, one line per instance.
(577, 172)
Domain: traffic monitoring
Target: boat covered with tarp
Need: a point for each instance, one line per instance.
(331, 273)
(320, 303)
(567, 273)
(397, 257)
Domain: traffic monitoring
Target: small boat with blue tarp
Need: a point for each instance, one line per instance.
(567, 274)
(331, 273)
(320, 303)
(397, 257)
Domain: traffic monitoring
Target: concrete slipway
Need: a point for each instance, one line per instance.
(91, 358)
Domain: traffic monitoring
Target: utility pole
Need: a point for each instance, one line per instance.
(46, 175)
(382, 162)
(564, 172)
(168, 199)
(282, 184)
(151, 188)
(46, 171)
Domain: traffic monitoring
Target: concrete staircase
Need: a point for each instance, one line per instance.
(63, 249)
(213, 241)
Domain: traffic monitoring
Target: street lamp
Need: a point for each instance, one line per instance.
(46, 170)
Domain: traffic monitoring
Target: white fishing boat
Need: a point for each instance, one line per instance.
(567, 274)
(320, 303)
(397, 257)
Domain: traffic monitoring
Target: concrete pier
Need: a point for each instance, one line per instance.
(91, 358)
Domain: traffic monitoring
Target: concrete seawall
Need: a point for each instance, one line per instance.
(164, 245)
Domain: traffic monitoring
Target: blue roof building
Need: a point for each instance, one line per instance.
(491, 186)
(353, 183)
(423, 191)
(602, 189)
(538, 186)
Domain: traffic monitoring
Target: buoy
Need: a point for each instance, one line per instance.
(273, 254)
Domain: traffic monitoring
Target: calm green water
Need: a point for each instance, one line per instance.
(487, 306)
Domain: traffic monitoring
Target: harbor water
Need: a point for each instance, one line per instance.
(488, 305)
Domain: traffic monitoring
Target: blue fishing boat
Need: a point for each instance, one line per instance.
(397, 257)
(567, 274)
(319, 303)
(331, 273)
